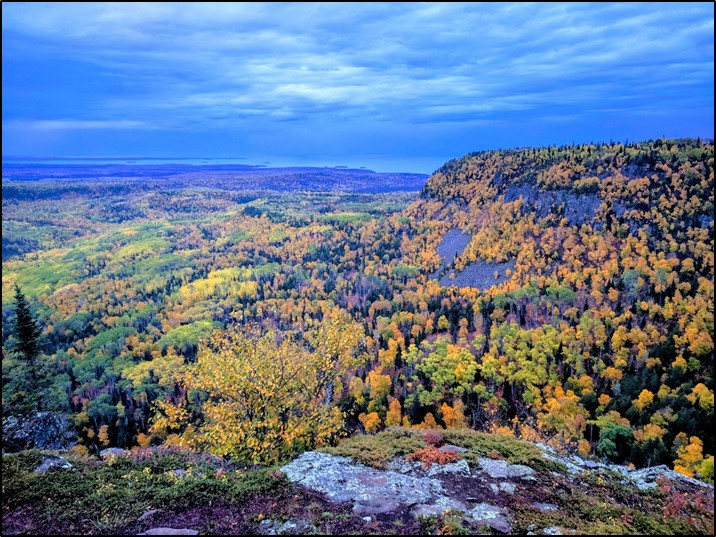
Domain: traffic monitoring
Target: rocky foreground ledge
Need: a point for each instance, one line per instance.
(397, 482)
(486, 494)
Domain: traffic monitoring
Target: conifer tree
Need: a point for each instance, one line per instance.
(28, 339)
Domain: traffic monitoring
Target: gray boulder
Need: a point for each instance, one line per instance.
(39, 430)
(497, 469)
(113, 452)
(456, 449)
(290, 527)
(371, 491)
(438, 507)
(491, 515)
(50, 462)
(643, 479)
(504, 486)
(454, 468)
(646, 477)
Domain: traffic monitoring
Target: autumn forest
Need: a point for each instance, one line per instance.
(563, 295)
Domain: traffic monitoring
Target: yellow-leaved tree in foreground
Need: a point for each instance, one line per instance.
(256, 397)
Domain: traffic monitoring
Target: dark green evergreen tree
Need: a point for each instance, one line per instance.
(27, 344)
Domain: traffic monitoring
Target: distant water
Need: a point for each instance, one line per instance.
(99, 161)
(378, 163)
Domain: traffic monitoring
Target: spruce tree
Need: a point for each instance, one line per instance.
(27, 334)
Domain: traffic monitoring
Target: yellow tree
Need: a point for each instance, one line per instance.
(394, 415)
(265, 398)
(370, 421)
(689, 457)
(454, 416)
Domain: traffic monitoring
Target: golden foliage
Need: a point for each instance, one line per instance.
(689, 457)
(394, 415)
(454, 416)
(644, 400)
(144, 440)
(371, 422)
(428, 423)
(265, 396)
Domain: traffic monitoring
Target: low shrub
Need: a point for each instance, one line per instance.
(431, 455)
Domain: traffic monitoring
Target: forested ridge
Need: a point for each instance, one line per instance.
(597, 337)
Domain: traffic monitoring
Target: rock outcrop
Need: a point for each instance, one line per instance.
(38, 430)
(414, 488)
(113, 452)
(371, 491)
(643, 479)
(486, 492)
(52, 462)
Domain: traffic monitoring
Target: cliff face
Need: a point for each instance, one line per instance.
(621, 188)
(590, 271)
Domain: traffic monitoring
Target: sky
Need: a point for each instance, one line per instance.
(395, 87)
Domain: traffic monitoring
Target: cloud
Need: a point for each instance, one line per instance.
(74, 124)
(196, 66)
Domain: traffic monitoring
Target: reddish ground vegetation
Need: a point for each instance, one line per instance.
(431, 455)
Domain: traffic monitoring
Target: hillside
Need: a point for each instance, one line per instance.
(562, 295)
(595, 264)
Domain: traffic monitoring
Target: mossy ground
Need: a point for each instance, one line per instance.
(377, 450)
(213, 496)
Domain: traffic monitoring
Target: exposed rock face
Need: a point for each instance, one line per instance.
(578, 209)
(53, 463)
(290, 527)
(452, 244)
(481, 274)
(505, 486)
(371, 491)
(40, 430)
(497, 469)
(113, 452)
(488, 492)
(643, 479)
(455, 468)
(646, 477)
(438, 507)
(491, 515)
(406, 486)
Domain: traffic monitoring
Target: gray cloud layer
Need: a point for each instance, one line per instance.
(213, 66)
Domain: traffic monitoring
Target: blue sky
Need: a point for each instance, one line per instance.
(400, 87)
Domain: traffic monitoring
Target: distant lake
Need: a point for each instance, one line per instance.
(378, 163)
(99, 161)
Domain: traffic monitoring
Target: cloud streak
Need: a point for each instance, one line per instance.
(234, 67)
(74, 124)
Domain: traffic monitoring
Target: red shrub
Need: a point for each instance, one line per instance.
(431, 455)
(433, 437)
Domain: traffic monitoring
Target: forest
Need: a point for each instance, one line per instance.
(557, 294)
